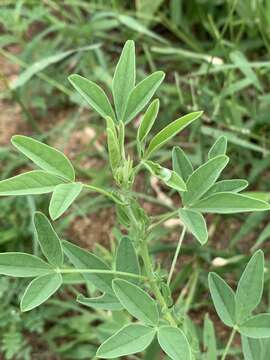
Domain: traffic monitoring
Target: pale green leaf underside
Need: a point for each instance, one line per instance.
(195, 223)
(39, 290)
(250, 287)
(136, 301)
(142, 94)
(63, 196)
(103, 302)
(256, 327)
(124, 78)
(93, 94)
(229, 203)
(83, 259)
(23, 265)
(48, 240)
(174, 343)
(170, 131)
(223, 298)
(44, 156)
(30, 183)
(201, 180)
(131, 339)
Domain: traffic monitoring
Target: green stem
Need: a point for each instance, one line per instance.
(94, 271)
(229, 343)
(152, 281)
(177, 251)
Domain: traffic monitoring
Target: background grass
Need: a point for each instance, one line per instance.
(216, 57)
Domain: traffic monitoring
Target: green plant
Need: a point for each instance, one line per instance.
(133, 281)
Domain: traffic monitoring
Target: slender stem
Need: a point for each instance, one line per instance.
(153, 284)
(229, 343)
(163, 218)
(176, 255)
(94, 271)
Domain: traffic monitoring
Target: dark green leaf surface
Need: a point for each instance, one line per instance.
(131, 339)
(203, 178)
(170, 131)
(44, 156)
(93, 94)
(223, 298)
(23, 265)
(256, 327)
(229, 203)
(218, 148)
(233, 185)
(83, 259)
(124, 78)
(39, 290)
(181, 163)
(136, 301)
(195, 223)
(126, 258)
(174, 343)
(250, 287)
(148, 120)
(63, 196)
(142, 94)
(48, 240)
(31, 183)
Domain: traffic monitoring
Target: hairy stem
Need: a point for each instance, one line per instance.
(154, 287)
(229, 343)
(177, 251)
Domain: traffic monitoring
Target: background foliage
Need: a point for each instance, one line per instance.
(215, 55)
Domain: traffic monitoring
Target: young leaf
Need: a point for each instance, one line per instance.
(44, 156)
(252, 348)
(142, 94)
(136, 301)
(39, 290)
(83, 259)
(233, 185)
(201, 180)
(103, 302)
(223, 298)
(169, 177)
(23, 265)
(113, 149)
(93, 94)
(148, 120)
(124, 78)
(170, 131)
(209, 339)
(174, 343)
(30, 183)
(63, 196)
(48, 240)
(256, 327)
(218, 148)
(181, 163)
(229, 203)
(195, 223)
(250, 287)
(130, 339)
(126, 258)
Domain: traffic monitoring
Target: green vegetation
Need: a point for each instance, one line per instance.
(137, 281)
